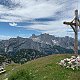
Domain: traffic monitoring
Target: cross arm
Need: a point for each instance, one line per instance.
(71, 24)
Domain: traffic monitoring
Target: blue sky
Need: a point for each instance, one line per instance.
(26, 17)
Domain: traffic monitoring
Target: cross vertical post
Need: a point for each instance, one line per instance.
(76, 33)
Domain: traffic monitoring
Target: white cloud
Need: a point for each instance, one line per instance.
(13, 24)
(30, 9)
(62, 10)
(56, 28)
(4, 37)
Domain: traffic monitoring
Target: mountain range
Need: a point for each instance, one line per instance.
(21, 50)
(44, 43)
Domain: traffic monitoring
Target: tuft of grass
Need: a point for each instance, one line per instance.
(20, 75)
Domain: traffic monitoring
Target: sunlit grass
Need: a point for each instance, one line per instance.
(45, 68)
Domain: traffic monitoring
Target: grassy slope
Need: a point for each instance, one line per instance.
(46, 69)
(8, 70)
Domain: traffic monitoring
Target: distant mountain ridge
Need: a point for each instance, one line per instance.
(66, 42)
(21, 50)
(44, 43)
